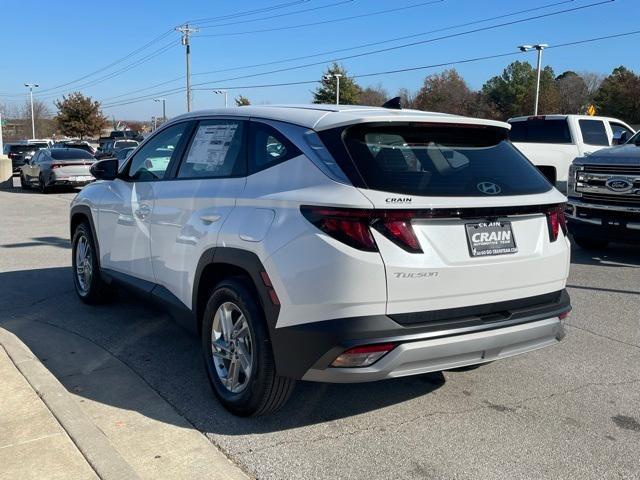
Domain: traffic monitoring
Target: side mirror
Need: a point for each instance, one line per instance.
(105, 169)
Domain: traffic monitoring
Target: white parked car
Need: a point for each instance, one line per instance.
(551, 142)
(330, 243)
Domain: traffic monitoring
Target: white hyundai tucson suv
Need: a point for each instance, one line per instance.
(330, 243)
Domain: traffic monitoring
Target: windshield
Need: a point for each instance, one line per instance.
(441, 160)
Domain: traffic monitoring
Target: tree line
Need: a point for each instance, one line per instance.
(509, 94)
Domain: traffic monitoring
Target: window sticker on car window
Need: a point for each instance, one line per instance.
(211, 144)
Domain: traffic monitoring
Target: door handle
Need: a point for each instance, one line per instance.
(209, 219)
(142, 211)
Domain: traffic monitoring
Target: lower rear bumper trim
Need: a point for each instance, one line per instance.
(438, 354)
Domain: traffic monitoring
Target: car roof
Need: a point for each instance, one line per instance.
(323, 117)
(558, 116)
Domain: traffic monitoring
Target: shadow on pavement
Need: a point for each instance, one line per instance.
(615, 255)
(94, 352)
(40, 241)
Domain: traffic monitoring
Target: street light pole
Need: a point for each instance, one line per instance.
(220, 92)
(164, 110)
(539, 47)
(31, 86)
(337, 77)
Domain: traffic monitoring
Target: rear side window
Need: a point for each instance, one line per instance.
(70, 154)
(216, 151)
(269, 147)
(593, 132)
(540, 130)
(440, 160)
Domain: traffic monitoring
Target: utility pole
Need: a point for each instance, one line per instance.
(31, 86)
(186, 32)
(539, 47)
(220, 92)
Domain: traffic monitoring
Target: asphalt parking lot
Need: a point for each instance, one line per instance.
(572, 411)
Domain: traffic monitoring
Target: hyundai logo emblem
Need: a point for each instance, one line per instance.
(489, 188)
(619, 184)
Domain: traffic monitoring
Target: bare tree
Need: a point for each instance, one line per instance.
(374, 96)
(407, 98)
(592, 80)
(42, 116)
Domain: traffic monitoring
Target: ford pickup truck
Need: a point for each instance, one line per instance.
(604, 196)
(551, 142)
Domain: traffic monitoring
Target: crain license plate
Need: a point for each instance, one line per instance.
(490, 238)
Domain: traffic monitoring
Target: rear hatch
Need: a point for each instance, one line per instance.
(460, 217)
(72, 162)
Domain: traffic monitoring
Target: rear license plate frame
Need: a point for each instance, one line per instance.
(495, 242)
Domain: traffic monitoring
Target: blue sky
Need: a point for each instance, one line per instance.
(54, 46)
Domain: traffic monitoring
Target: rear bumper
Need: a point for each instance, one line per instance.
(413, 358)
(467, 336)
(604, 222)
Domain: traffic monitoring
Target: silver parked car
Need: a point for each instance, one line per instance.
(57, 166)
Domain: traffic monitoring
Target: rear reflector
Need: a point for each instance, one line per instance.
(563, 315)
(363, 356)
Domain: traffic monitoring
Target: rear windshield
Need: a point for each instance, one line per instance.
(40, 145)
(22, 148)
(81, 146)
(440, 160)
(125, 144)
(70, 154)
(540, 131)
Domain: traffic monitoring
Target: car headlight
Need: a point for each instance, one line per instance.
(572, 181)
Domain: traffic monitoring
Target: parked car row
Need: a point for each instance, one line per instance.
(51, 167)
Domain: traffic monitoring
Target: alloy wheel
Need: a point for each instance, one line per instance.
(232, 347)
(84, 268)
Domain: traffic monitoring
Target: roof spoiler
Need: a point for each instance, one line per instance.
(394, 103)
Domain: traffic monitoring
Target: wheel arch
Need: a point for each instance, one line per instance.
(218, 263)
(79, 214)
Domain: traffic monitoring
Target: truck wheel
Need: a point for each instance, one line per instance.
(86, 271)
(238, 354)
(588, 243)
(23, 183)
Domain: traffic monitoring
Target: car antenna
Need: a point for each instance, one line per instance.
(394, 103)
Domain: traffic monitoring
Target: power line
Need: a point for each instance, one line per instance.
(280, 15)
(380, 42)
(147, 45)
(431, 40)
(399, 70)
(324, 22)
(201, 21)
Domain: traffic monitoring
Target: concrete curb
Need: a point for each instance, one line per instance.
(92, 443)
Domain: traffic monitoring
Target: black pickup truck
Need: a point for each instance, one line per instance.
(604, 196)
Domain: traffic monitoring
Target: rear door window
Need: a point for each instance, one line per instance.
(269, 147)
(216, 151)
(593, 132)
(438, 160)
(540, 130)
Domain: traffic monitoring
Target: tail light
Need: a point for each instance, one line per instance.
(556, 221)
(363, 356)
(353, 226)
(56, 165)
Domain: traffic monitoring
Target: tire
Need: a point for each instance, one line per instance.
(260, 392)
(588, 243)
(23, 183)
(42, 185)
(87, 281)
